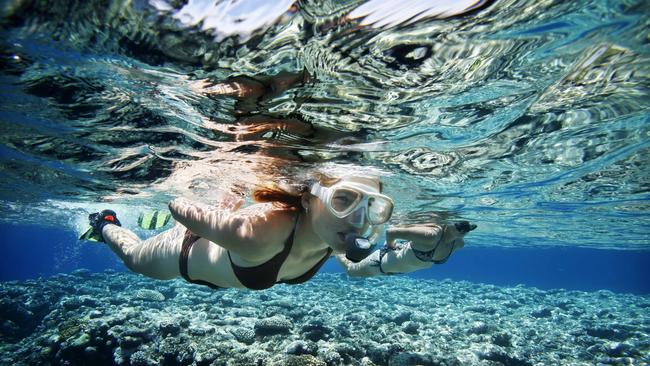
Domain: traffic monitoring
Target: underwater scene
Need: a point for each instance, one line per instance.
(325, 182)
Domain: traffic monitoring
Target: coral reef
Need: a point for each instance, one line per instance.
(125, 319)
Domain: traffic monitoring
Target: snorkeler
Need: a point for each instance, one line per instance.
(285, 238)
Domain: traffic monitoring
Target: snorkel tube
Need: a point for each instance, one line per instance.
(357, 247)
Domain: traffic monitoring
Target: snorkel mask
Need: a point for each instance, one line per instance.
(356, 202)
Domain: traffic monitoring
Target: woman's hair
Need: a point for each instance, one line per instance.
(291, 199)
(280, 197)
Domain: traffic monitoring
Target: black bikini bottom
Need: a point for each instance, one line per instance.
(188, 240)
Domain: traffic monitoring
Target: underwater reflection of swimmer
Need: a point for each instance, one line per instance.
(289, 137)
(249, 91)
(284, 238)
(292, 138)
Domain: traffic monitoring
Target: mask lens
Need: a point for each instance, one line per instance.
(379, 210)
(357, 217)
(344, 199)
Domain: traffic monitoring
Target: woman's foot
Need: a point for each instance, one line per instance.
(100, 219)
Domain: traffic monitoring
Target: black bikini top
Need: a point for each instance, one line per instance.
(265, 275)
(259, 277)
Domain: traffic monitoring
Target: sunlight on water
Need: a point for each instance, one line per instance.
(529, 118)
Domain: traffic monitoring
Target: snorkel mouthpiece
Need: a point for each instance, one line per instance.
(357, 247)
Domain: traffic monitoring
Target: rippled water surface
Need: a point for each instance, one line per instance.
(529, 118)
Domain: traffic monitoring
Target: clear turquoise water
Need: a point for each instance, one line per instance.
(528, 118)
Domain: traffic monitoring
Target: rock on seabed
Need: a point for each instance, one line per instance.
(126, 319)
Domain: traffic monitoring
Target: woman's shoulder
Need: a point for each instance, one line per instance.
(268, 210)
(269, 220)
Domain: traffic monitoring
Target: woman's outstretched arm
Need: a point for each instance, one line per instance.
(384, 261)
(428, 244)
(252, 233)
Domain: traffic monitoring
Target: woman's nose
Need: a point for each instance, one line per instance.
(357, 218)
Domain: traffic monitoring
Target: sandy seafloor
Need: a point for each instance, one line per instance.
(122, 318)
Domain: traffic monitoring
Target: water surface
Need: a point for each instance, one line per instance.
(528, 118)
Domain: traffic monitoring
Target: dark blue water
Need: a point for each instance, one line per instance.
(33, 251)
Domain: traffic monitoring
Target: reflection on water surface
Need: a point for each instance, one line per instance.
(526, 117)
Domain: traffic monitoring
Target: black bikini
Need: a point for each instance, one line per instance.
(255, 278)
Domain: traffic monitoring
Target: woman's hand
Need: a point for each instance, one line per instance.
(442, 238)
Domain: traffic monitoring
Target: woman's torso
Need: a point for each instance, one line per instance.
(210, 262)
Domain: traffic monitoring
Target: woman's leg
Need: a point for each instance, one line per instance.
(156, 257)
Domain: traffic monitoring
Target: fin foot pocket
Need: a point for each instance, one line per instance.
(97, 222)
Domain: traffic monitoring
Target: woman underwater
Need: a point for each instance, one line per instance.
(284, 238)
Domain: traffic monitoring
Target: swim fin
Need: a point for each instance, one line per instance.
(97, 221)
(90, 235)
(154, 220)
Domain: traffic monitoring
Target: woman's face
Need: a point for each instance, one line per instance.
(332, 229)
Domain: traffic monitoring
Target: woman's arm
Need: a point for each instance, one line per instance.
(427, 244)
(239, 232)
(385, 261)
